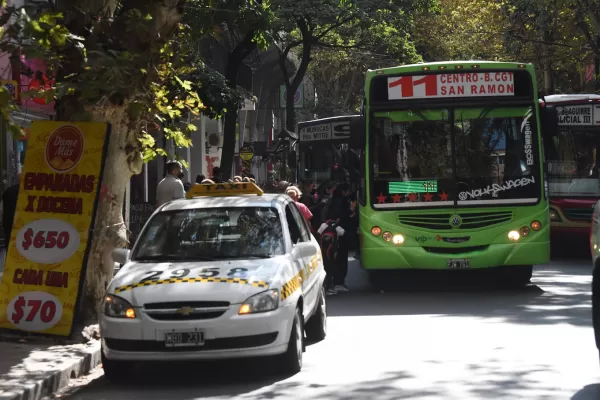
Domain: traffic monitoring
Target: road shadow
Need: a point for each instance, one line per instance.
(560, 293)
(589, 392)
(253, 385)
(488, 379)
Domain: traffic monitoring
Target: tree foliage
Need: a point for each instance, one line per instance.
(242, 27)
(136, 54)
(132, 63)
(339, 25)
(543, 32)
(338, 68)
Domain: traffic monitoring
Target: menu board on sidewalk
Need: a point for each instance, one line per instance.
(51, 235)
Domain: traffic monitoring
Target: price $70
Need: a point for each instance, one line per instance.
(31, 309)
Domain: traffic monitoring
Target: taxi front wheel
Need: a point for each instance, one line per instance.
(316, 327)
(115, 371)
(291, 360)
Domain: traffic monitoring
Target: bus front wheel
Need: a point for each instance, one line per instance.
(518, 275)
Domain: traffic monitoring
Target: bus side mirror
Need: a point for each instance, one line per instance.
(357, 133)
(549, 117)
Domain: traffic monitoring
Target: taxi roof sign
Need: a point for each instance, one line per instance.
(223, 189)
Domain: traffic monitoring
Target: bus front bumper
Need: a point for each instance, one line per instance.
(431, 258)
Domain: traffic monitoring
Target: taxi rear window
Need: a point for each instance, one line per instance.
(211, 234)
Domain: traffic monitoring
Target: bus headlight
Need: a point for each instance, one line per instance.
(398, 239)
(524, 231)
(387, 236)
(375, 231)
(536, 225)
(514, 236)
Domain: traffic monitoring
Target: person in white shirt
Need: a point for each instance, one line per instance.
(171, 187)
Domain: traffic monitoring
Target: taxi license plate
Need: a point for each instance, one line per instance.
(458, 264)
(184, 339)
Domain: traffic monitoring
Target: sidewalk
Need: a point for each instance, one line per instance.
(30, 371)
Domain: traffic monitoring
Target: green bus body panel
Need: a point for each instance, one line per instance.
(424, 248)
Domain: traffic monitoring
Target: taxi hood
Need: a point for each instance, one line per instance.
(230, 280)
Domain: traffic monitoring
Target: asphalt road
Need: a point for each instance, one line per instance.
(423, 342)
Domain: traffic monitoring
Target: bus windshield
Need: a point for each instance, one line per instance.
(573, 164)
(318, 159)
(460, 156)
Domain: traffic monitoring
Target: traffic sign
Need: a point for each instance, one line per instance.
(247, 153)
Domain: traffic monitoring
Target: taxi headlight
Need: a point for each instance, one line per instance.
(261, 302)
(116, 307)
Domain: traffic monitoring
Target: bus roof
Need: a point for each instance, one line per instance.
(328, 119)
(467, 64)
(571, 98)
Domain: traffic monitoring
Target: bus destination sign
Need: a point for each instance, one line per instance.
(470, 84)
(326, 130)
(581, 115)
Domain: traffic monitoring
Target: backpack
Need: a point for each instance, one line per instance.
(329, 240)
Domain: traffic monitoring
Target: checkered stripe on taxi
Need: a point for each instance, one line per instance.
(259, 284)
(296, 282)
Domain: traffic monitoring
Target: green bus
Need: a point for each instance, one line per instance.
(452, 170)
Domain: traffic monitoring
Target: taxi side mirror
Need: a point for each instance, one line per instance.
(120, 256)
(305, 249)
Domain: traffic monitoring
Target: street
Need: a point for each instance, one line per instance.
(533, 343)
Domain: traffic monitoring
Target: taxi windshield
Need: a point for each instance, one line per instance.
(211, 234)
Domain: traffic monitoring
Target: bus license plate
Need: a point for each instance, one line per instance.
(184, 339)
(458, 264)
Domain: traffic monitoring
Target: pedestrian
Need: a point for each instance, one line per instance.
(171, 187)
(200, 178)
(8, 208)
(329, 234)
(295, 194)
(282, 186)
(217, 175)
(308, 190)
(320, 210)
(342, 211)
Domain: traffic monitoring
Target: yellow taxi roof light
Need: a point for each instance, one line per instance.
(223, 189)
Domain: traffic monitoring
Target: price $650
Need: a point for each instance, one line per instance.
(45, 239)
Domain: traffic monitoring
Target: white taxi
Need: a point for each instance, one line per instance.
(227, 272)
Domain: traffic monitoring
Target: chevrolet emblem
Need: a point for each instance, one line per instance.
(185, 311)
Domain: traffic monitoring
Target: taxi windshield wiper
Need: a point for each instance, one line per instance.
(174, 257)
(199, 258)
(245, 257)
(257, 256)
(169, 257)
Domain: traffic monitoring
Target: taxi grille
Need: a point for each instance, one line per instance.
(179, 304)
(186, 311)
(239, 342)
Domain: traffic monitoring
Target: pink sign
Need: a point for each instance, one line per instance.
(38, 81)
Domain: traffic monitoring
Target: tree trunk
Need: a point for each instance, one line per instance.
(122, 161)
(228, 143)
(307, 41)
(237, 56)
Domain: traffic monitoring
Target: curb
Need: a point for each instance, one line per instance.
(35, 384)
